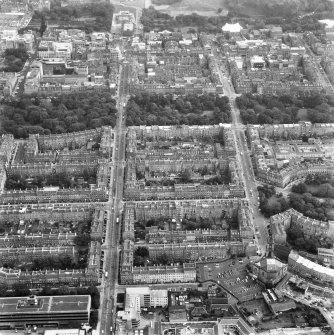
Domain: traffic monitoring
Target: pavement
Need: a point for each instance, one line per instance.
(232, 275)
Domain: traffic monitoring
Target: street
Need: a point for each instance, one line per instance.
(244, 162)
(114, 207)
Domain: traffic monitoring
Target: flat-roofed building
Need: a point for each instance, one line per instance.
(58, 311)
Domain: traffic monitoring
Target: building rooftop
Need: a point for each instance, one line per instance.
(233, 28)
(270, 264)
(311, 265)
(62, 332)
(48, 305)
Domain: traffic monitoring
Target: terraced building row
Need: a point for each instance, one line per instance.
(45, 221)
(184, 202)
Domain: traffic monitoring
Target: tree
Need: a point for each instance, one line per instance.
(21, 290)
(2, 228)
(142, 252)
(299, 188)
(325, 190)
(94, 318)
(220, 138)
(95, 302)
(101, 13)
(47, 291)
(82, 240)
(284, 109)
(138, 261)
(64, 290)
(185, 176)
(163, 259)
(205, 223)
(3, 289)
(66, 113)
(152, 108)
(43, 26)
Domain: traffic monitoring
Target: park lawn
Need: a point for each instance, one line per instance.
(302, 115)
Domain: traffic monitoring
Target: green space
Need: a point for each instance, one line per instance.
(297, 16)
(153, 19)
(141, 258)
(299, 241)
(66, 113)
(271, 203)
(314, 197)
(319, 185)
(159, 109)
(54, 262)
(96, 16)
(62, 180)
(165, 2)
(304, 202)
(311, 206)
(271, 109)
(14, 60)
(218, 176)
(59, 262)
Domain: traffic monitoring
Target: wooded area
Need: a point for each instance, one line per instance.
(61, 114)
(299, 241)
(153, 19)
(262, 109)
(97, 16)
(192, 109)
(323, 186)
(14, 60)
(165, 2)
(271, 203)
(258, 13)
(287, 14)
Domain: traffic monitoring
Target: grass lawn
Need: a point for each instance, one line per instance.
(302, 115)
(272, 200)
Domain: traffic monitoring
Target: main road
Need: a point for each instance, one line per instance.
(114, 213)
(244, 161)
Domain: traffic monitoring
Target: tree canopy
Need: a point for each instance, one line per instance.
(297, 239)
(270, 202)
(310, 206)
(153, 19)
(297, 16)
(159, 109)
(98, 15)
(270, 109)
(14, 59)
(165, 2)
(63, 114)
